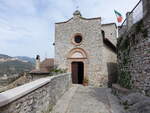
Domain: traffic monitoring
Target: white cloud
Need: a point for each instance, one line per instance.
(24, 6)
(27, 26)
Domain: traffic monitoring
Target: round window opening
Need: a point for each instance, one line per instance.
(78, 39)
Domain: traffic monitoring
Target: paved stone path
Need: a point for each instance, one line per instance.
(80, 99)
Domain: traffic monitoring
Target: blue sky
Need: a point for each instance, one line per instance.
(27, 27)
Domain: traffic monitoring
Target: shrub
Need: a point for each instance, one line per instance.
(57, 70)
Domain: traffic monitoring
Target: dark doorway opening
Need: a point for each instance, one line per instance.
(77, 72)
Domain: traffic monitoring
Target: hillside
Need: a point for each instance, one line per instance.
(28, 59)
(13, 65)
(4, 56)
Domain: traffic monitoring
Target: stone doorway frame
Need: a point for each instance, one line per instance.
(84, 59)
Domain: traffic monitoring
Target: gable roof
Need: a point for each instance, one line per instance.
(80, 18)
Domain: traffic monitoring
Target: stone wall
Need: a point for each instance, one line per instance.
(110, 32)
(134, 55)
(38, 96)
(109, 66)
(109, 55)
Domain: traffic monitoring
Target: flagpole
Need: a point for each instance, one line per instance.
(117, 30)
(119, 20)
(77, 4)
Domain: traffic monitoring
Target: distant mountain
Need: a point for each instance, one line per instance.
(14, 65)
(4, 56)
(25, 58)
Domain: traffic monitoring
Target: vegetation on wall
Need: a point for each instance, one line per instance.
(124, 79)
(125, 42)
(119, 41)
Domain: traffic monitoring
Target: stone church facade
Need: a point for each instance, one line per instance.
(86, 48)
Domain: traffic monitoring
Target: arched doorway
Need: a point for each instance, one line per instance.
(77, 69)
(78, 63)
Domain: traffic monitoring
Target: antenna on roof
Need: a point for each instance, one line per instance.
(77, 7)
(77, 4)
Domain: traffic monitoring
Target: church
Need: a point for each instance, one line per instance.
(86, 48)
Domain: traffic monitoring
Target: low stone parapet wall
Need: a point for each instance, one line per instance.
(120, 91)
(38, 96)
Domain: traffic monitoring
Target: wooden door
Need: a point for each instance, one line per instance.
(74, 67)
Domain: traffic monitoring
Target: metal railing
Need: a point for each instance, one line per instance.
(132, 17)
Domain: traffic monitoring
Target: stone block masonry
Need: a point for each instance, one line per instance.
(38, 96)
(134, 59)
(134, 55)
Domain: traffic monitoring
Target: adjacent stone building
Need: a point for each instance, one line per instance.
(86, 48)
(42, 69)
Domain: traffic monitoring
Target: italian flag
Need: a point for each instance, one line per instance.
(119, 16)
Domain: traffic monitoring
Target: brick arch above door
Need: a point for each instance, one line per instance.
(77, 53)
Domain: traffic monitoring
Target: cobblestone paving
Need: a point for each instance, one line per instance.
(80, 99)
